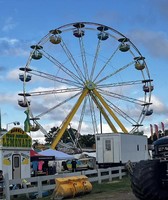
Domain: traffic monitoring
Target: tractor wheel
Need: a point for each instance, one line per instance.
(146, 181)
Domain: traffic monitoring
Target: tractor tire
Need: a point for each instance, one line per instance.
(146, 181)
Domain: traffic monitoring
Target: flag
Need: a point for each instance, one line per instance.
(156, 130)
(27, 121)
(151, 130)
(162, 125)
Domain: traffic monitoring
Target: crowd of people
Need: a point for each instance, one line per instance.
(43, 168)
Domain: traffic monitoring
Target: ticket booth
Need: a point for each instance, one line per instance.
(15, 146)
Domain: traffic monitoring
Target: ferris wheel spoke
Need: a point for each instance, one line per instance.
(95, 59)
(93, 116)
(59, 91)
(58, 105)
(106, 64)
(121, 112)
(69, 117)
(110, 111)
(115, 72)
(84, 61)
(41, 127)
(62, 67)
(102, 110)
(53, 78)
(126, 83)
(82, 114)
(122, 97)
(72, 60)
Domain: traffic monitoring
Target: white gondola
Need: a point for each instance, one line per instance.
(23, 103)
(54, 39)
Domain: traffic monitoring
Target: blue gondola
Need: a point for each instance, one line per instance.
(36, 55)
(27, 79)
(147, 88)
(147, 112)
(124, 47)
(103, 36)
(78, 33)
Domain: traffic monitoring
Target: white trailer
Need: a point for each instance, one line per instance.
(118, 148)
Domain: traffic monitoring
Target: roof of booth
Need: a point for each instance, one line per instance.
(35, 156)
(34, 153)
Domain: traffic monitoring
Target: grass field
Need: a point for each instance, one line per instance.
(116, 190)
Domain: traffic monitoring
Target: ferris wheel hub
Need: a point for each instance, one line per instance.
(90, 85)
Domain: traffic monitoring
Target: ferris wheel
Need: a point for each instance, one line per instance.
(87, 74)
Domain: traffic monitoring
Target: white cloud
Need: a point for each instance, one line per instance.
(156, 43)
(12, 46)
(160, 110)
(8, 98)
(13, 74)
(9, 24)
(159, 107)
(8, 41)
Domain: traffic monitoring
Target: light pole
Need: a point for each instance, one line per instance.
(15, 123)
(101, 122)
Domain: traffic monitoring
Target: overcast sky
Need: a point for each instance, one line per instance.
(23, 23)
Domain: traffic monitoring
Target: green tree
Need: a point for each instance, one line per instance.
(35, 143)
(51, 135)
(86, 140)
(68, 136)
(166, 132)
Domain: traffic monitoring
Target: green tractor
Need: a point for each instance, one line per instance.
(149, 178)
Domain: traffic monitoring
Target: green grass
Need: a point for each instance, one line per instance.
(114, 186)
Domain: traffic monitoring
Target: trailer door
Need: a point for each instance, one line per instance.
(108, 150)
(16, 165)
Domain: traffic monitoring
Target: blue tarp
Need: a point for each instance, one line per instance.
(58, 154)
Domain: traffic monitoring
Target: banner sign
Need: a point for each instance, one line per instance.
(16, 137)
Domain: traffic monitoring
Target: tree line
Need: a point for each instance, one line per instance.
(85, 141)
(71, 134)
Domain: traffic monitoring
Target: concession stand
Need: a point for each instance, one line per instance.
(15, 146)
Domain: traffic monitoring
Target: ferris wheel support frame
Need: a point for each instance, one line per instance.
(68, 119)
(103, 112)
(110, 111)
(75, 108)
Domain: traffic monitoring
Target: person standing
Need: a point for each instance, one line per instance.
(45, 167)
(73, 165)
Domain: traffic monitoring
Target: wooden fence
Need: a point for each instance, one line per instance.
(40, 184)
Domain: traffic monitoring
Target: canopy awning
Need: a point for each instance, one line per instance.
(34, 156)
(57, 154)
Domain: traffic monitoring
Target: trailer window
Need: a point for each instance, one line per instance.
(108, 145)
(138, 147)
(16, 162)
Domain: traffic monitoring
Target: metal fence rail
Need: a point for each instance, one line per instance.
(41, 184)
